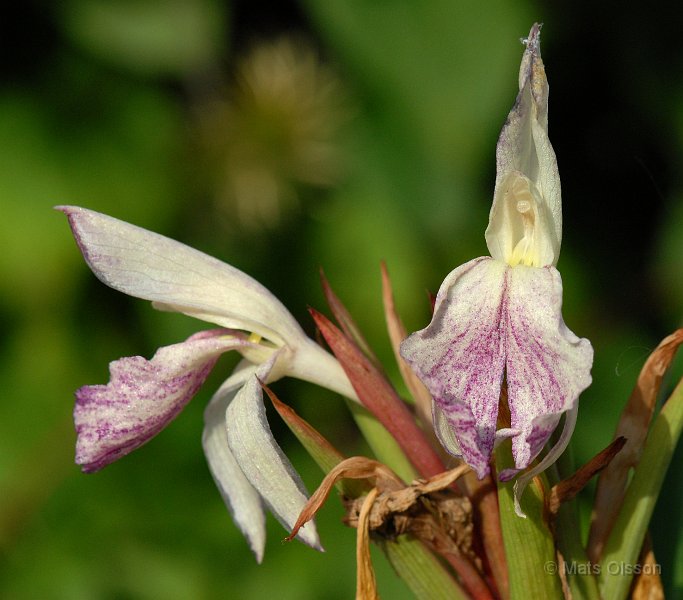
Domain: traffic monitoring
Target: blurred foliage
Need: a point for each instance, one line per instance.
(105, 103)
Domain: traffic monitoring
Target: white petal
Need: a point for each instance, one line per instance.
(460, 357)
(176, 277)
(243, 501)
(262, 460)
(547, 365)
(526, 215)
(310, 362)
(143, 396)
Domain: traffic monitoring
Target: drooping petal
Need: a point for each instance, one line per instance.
(262, 460)
(549, 459)
(143, 396)
(176, 277)
(460, 357)
(242, 500)
(525, 224)
(547, 365)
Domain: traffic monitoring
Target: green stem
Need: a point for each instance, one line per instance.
(529, 544)
(421, 570)
(580, 572)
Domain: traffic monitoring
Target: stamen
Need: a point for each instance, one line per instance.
(254, 338)
(523, 206)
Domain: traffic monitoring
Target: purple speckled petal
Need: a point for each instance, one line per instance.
(143, 396)
(176, 277)
(489, 320)
(547, 365)
(460, 357)
(262, 460)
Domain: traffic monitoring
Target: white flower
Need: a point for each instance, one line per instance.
(499, 318)
(143, 396)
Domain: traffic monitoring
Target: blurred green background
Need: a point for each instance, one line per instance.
(282, 137)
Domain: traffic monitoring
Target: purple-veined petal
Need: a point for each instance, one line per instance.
(143, 396)
(547, 365)
(489, 320)
(176, 277)
(525, 223)
(242, 500)
(262, 460)
(460, 357)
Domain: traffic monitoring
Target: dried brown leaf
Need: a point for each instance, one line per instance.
(356, 467)
(648, 585)
(633, 425)
(346, 321)
(366, 584)
(568, 488)
(397, 333)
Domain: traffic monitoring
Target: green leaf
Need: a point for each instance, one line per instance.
(149, 36)
(383, 445)
(626, 539)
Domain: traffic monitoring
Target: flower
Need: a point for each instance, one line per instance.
(499, 318)
(143, 396)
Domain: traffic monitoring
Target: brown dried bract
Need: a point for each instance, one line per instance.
(568, 488)
(426, 509)
(633, 425)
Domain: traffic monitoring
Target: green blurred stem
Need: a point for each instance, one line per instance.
(529, 544)
(580, 572)
(381, 442)
(626, 539)
(421, 570)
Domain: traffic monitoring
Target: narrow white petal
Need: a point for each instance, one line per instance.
(525, 224)
(549, 459)
(242, 500)
(176, 277)
(143, 396)
(444, 431)
(261, 458)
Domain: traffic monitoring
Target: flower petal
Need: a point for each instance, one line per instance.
(242, 500)
(547, 366)
(176, 277)
(143, 396)
(548, 460)
(460, 357)
(262, 460)
(526, 216)
(492, 319)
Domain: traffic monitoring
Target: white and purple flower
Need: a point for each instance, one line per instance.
(143, 396)
(499, 318)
